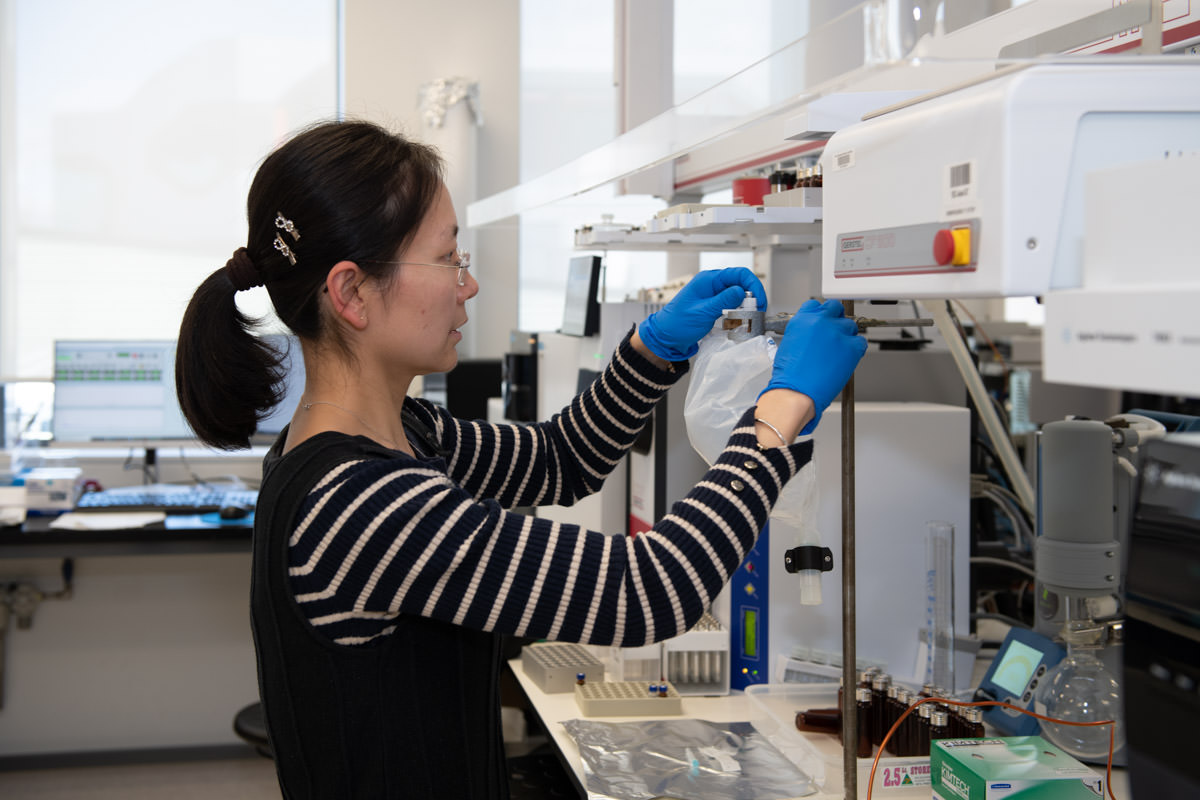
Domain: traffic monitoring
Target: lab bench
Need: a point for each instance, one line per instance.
(555, 709)
(179, 534)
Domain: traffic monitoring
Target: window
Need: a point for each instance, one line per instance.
(132, 130)
(568, 107)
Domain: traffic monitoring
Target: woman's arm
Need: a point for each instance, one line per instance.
(386, 537)
(392, 536)
(569, 456)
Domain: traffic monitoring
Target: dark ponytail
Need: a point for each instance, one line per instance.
(338, 191)
(226, 378)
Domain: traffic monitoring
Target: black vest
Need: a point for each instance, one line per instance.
(415, 714)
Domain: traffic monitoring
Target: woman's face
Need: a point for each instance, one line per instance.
(424, 306)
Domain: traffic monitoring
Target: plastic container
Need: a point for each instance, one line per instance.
(820, 755)
(750, 189)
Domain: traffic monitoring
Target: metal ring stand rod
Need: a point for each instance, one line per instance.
(849, 628)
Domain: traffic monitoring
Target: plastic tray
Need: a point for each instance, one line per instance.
(553, 666)
(820, 755)
(626, 699)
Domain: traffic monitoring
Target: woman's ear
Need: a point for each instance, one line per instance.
(344, 286)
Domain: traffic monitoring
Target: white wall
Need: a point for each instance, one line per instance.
(392, 49)
(149, 652)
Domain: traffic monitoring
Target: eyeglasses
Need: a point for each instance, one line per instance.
(464, 263)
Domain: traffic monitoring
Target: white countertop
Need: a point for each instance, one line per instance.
(555, 709)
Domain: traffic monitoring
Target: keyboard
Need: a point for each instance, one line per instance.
(167, 498)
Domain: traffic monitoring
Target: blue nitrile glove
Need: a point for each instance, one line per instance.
(818, 354)
(673, 333)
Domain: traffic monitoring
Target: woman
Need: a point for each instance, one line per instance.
(386, 568)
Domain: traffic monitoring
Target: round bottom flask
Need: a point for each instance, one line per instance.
(1081, 689)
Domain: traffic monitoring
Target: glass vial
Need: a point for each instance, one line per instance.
(863, 702)
(879, 687)
(939, 725)
(902, 739)
(972, 723)
(820, 720)
(921, 732)
(891, 714)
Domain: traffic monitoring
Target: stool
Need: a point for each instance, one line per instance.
(251, 726)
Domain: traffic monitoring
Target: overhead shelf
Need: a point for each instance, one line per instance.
(739, 220)
(641, 239)
(873, 53)
(722, 227)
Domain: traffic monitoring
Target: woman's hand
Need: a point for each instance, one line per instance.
(820, 349)
(673, 333)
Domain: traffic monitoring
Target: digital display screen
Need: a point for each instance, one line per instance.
(1016, 667)
(750, 632)
(581, 311)
(116, 390)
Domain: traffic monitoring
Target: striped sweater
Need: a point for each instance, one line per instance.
(383, 534)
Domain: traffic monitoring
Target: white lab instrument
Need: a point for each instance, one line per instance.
(1014, 186)
(1132, 321)
(912, 467)
(979, 192)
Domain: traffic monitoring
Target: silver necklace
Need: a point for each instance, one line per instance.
(308, 407)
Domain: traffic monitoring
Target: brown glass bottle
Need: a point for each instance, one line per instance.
(939, 725)
(879, 687)
(973, 722)
(921, 732)
(954, 722)
(820, 720)
(782, 179)
(863, 702)
(889, 719)
(903, 734)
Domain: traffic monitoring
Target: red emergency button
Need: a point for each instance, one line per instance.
(952, 246)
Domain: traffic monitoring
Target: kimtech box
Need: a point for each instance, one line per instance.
(1026, 767)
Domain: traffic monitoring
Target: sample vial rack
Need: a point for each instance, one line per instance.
(628, 699)
(555, 666)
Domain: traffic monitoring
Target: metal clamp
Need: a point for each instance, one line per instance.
(808, 556)
(741, 324)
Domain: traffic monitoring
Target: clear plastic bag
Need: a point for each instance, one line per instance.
(726, 378)
(684, 758)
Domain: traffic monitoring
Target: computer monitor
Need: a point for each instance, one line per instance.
(581, 309)
(122, 393)
(293, 364)
(117, 392)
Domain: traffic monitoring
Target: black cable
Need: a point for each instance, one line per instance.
(963, 336)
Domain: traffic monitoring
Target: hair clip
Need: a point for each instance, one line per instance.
(285, 224)
(282, 247)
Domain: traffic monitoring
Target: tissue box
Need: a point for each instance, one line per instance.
(1012, 767)
(52, 490)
